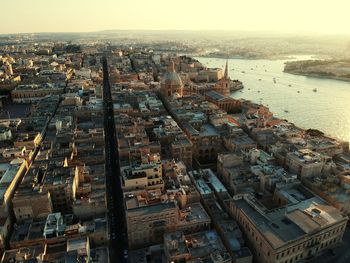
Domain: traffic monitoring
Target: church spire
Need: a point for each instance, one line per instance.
(226, 70)
(171, 67)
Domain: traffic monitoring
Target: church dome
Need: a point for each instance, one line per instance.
(171, 77)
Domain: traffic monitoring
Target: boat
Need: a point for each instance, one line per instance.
(251, 69)
(258, 91)
(314, 90)
(298, 91)
(286, 111)
(243, 72)
(289, 85)
(259, 79)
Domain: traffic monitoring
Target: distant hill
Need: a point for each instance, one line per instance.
(334, 69)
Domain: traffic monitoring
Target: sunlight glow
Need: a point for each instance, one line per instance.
(331, 17)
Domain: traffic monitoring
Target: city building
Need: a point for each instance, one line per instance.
(147, 224)
(294, 227)
(143, 176)
(203, 246)
(171, 84)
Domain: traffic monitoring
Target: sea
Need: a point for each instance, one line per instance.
(308, 102)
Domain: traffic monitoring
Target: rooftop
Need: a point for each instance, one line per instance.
(215, 95)
(150, 209)
(206, 182)
(302, 215)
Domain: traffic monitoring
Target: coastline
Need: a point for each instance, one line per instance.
(315, 75)
(247, 57)
(273, 94)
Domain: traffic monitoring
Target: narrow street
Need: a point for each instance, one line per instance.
(117, 227)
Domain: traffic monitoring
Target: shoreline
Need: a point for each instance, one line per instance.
(247, 58)
(317, 76)
(280, 115)
(302, 127)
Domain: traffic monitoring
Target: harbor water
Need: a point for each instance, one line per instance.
(308, 102)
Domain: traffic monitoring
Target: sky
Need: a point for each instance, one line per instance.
(319, 16)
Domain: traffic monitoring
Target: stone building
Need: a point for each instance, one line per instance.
(171, 84)
(300, 228)
(223, 85)
(147, 224)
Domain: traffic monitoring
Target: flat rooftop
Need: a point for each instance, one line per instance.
(206, 244)
(303, 215)
(206, 182)
(150, 209)
(194, 213)
(208, 130)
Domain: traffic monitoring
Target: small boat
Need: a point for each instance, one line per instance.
(289, 85)
(298, 91)
(248, 88)
(243, 72)
(251, 69)
(259, 79)
(286, 111)
(258, 91)
(314, 90)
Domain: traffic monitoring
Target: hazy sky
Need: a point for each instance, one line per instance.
(323, 16)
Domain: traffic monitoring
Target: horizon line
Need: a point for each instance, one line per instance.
(288, 32)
